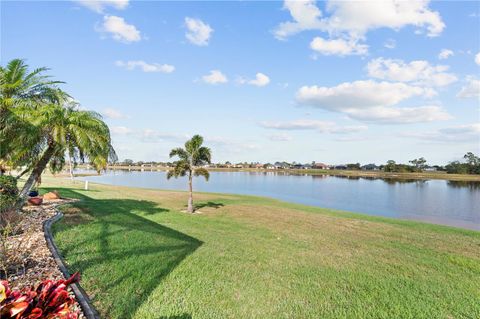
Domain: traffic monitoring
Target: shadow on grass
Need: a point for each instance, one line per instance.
(121, 255)
(209, 204)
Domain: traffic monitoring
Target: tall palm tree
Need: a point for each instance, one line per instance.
(66, 130)
(20, 88)
(191, 158)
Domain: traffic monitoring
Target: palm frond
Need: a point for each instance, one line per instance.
(201, 172)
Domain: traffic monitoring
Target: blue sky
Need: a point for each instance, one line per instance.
(332, 81)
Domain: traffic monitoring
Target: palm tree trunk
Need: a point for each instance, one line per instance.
(36, 172)
(190, 196)
(70, 166)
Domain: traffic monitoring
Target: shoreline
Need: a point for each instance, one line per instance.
(341, 173)
(428, 220)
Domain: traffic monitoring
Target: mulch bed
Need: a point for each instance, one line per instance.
(38, 263)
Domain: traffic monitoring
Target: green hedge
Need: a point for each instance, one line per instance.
(8, 192)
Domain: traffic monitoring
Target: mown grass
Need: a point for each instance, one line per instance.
(251, 257)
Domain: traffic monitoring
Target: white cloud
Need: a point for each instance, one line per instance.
(121, 130)
(152, 136)
(477, 58)
(445, 54)
(417, 72)
(339, 47)
(99, 5)
(320, 126)
(372, 101)
(146, 67)
(471, 89)
(400, 115)
(215, 77)
(119, 29)
(351, 20)
(452, 134)
(390, 44)
(280, 137)
(349, 129)
(229, 145)
(350, 138)
(198, 33)
(358, 17)
(305, 14)
(260, 80)
(112, 113)
(359, 94)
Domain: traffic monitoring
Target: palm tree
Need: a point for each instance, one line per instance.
(66, 130)
(21, 89)
(191, 157)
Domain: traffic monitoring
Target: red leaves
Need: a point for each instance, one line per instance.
(50, 300)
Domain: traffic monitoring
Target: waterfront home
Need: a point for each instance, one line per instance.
(319, 166)
(370, 167)
(282, 165)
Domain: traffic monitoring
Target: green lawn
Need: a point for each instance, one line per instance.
(251, 257)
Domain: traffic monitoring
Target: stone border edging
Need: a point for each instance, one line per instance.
(88, 309)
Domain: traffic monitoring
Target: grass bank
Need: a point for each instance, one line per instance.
(251, 257)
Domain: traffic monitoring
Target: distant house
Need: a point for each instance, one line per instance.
(430, 169)
(340, 167)
(370, 167)
(297, 166)
(269, 166)
(307, 166)
(282, 165)
(316, 165)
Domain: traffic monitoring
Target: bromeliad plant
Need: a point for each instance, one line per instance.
(50, 300)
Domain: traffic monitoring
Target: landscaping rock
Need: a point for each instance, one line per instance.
(51, 195)
(39, 263)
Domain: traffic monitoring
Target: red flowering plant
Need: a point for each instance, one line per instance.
(50, 300)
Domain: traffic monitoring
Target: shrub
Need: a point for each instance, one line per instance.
(50, 300)
(8, 192)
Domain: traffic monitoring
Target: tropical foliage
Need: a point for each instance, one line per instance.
(21, 90)
(49, 300)
(8, 192)
(41, 124)
(66, 130)
(191, 158)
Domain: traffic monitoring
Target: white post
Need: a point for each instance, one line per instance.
(86, 185)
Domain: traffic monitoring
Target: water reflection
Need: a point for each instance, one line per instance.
(464, 184)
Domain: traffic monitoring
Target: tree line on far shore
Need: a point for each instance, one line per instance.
(470, 165)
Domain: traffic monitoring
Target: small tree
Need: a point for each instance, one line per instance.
(419, 164)
(128, 162)
(473, 162)
(390, 167)
(191, 157)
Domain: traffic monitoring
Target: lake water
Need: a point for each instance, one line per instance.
(435, 201)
